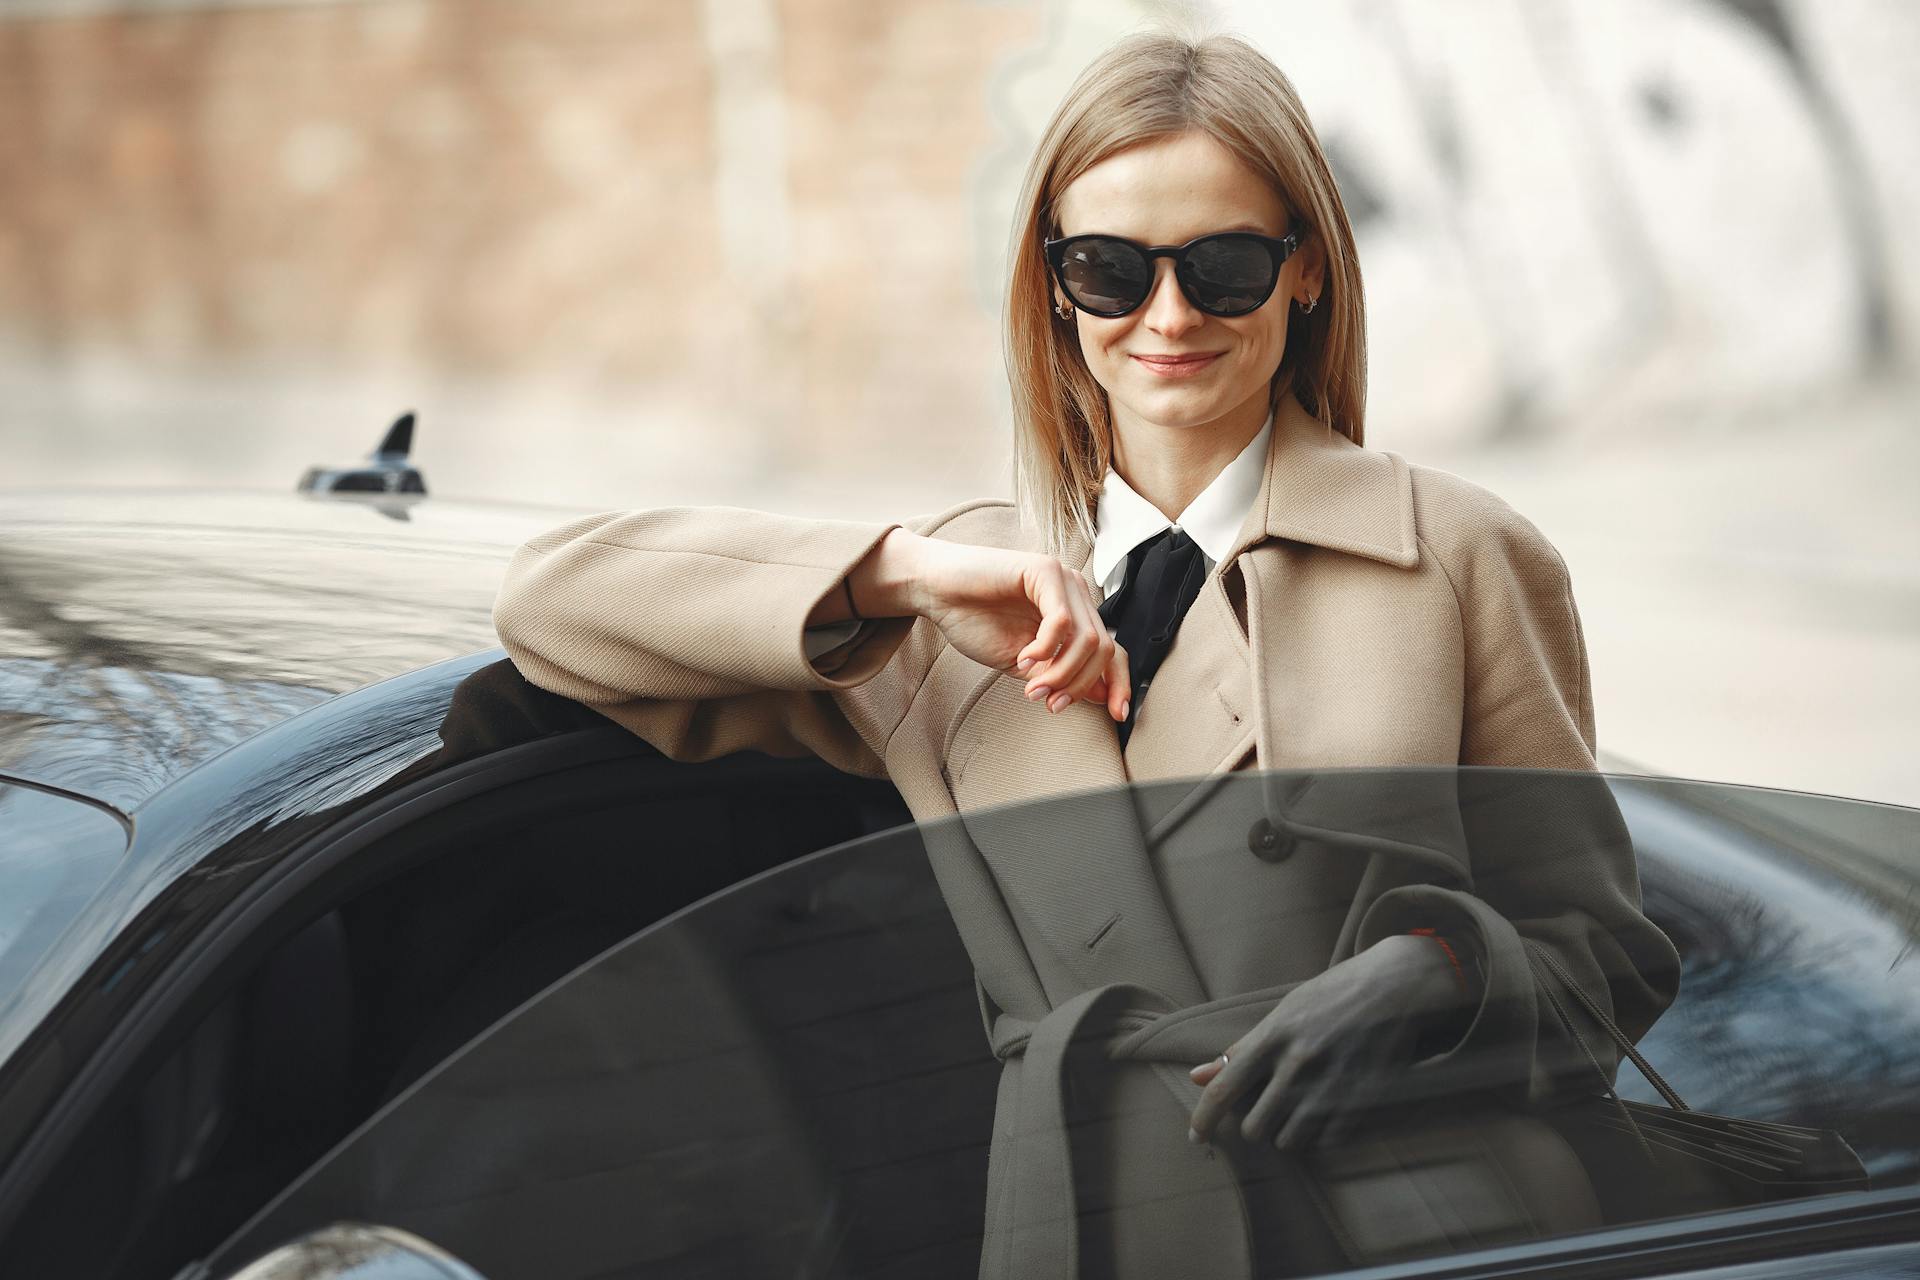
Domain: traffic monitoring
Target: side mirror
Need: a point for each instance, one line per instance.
(357, 1251)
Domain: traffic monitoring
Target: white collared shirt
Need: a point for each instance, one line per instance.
(1123, 519)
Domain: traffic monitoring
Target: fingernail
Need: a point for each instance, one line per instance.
(1023, 665)
(1059, 700)
(1038, 691)
(1193, 1136)
(1126, 707)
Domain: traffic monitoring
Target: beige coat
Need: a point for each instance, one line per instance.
(1371, 613)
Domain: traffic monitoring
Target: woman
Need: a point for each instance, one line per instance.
(1347, 609)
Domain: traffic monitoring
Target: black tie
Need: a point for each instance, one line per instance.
(1164, 574)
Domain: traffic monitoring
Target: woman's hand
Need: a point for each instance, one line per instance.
(1015, 611)
(1323, 1053)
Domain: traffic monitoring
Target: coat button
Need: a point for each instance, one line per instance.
(1267, 843)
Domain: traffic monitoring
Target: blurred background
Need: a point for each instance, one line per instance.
(1644, 268)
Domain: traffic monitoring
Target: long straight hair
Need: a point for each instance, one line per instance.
(1147, 86)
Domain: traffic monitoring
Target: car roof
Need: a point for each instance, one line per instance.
(141, 631)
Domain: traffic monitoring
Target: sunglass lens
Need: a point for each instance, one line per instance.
(1104, 276)
(1229, 275)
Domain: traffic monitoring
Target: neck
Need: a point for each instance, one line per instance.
(1169, 466)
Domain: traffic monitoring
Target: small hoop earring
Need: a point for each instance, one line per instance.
(1306, 308)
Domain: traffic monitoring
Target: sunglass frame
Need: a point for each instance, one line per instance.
(1279, 247)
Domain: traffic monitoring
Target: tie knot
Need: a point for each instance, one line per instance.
(1172, 540)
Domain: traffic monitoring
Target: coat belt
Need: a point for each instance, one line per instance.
(1124, 1022)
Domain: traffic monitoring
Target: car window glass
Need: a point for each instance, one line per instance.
(55, 853)
(1794, 916)
(798, 1075)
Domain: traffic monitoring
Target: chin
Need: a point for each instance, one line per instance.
(1177, 417)
(1176, 400)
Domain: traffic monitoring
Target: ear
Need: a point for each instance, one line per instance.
(1312, 280)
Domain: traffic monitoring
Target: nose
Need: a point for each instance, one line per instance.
(1167, 310)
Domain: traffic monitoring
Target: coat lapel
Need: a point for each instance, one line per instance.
(1083, 880)
(1323, 490)
(1227, 675)
(1044, 798)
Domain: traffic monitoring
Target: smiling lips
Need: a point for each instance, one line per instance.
(1178, 366)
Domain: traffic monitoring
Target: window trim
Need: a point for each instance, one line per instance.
(1781, 1230)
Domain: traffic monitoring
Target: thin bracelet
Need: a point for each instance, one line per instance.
(1458, 971)
(847, 586)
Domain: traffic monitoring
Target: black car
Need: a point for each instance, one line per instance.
(314, 912)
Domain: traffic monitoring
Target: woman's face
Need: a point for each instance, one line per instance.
(1168, 191)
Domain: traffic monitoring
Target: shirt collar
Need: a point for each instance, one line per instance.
(1124, 519)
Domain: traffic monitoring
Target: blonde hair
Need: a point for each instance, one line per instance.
(1147, 86)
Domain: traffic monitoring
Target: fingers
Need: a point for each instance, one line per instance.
(1095, 646)
(1051, 596)
(1314, 1109)
(1336, 1098)
(1118, 693)
(1281, 1100)
(1073, 627)
(1315, 1099)
(1241, 1071)
(1073, 657)
(1295, 1106)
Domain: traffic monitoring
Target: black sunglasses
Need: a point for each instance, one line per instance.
(1227, 274)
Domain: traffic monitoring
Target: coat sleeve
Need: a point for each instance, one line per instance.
(1552, 863)
(687, 625)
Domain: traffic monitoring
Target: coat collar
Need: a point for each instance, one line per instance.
(1319, 487)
